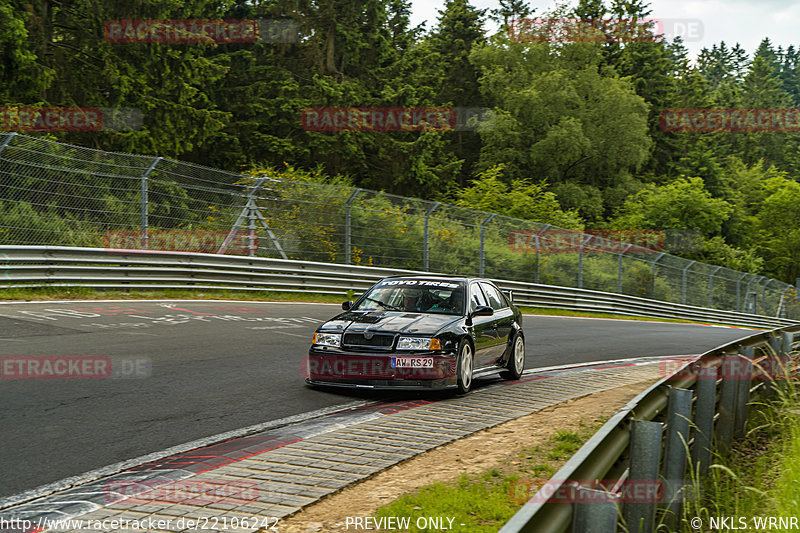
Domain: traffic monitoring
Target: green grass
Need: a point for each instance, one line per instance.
(760, 476)
(484, 502)
(612, 316)
(83, 293)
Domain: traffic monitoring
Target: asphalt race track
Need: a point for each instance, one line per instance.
(186, 370)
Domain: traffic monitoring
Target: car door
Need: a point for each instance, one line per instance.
(502, 320)
(482, 327)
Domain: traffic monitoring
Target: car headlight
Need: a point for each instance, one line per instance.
(327, 339)
(418, 343)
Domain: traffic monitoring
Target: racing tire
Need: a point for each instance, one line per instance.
(464, 367)
(516, 359)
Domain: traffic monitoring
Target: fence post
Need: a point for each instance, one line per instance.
(711, 287)
(745, 376)
(7, 140)
(653, 282)
(483, 242)
(425, 249)
(145, 220)
(645, 453)
(595, 511)
(747, 293)
(764, 295)
(739, 291)
(781, 309)
(763, 292)
(685, 271)
(536, 240)
(619, 269)
(347, 230)
(580, 260)
(679, 412)
(704, 418)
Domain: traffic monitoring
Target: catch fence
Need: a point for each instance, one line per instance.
(57, 194)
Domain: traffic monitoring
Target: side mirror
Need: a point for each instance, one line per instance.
(482, 310)
(347, 305)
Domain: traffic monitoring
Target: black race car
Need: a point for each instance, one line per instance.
(419, 333)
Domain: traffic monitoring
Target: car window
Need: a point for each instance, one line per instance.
(476, 298)
(496, 298)
(415, 296)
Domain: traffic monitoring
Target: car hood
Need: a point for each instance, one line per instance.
(390, 321)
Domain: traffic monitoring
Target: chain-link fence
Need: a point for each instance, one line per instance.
(57, 194)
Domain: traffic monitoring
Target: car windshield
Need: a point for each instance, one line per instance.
(414, 296)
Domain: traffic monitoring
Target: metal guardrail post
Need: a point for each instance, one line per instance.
(711, 285)
(704, 418)
(745, 377)
(747, 293)
(145, 222)
(772, 366)
(595, 512)
(645, 454)
(483, 242)
(727, 402)
(619, 269)
(683, 290)
(426, 244)
(679, 412)
(788, 340)
(347, 225)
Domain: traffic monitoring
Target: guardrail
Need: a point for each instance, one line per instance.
(57, 266)
(643, 471)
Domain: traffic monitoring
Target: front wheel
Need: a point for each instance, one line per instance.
(464, 367)
(516, 361)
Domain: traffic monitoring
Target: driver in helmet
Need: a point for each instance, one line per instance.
(411, 299)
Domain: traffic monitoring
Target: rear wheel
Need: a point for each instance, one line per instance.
(516, 361)
(464, 367)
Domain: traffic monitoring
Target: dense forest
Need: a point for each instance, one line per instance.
(573, 140)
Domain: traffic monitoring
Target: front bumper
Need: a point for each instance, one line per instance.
(371, 370)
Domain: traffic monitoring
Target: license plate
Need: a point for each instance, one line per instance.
(412, 362)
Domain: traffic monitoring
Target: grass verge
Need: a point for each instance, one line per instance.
(484, 502)
(23, 294)
(759, 478)
(84, 293)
